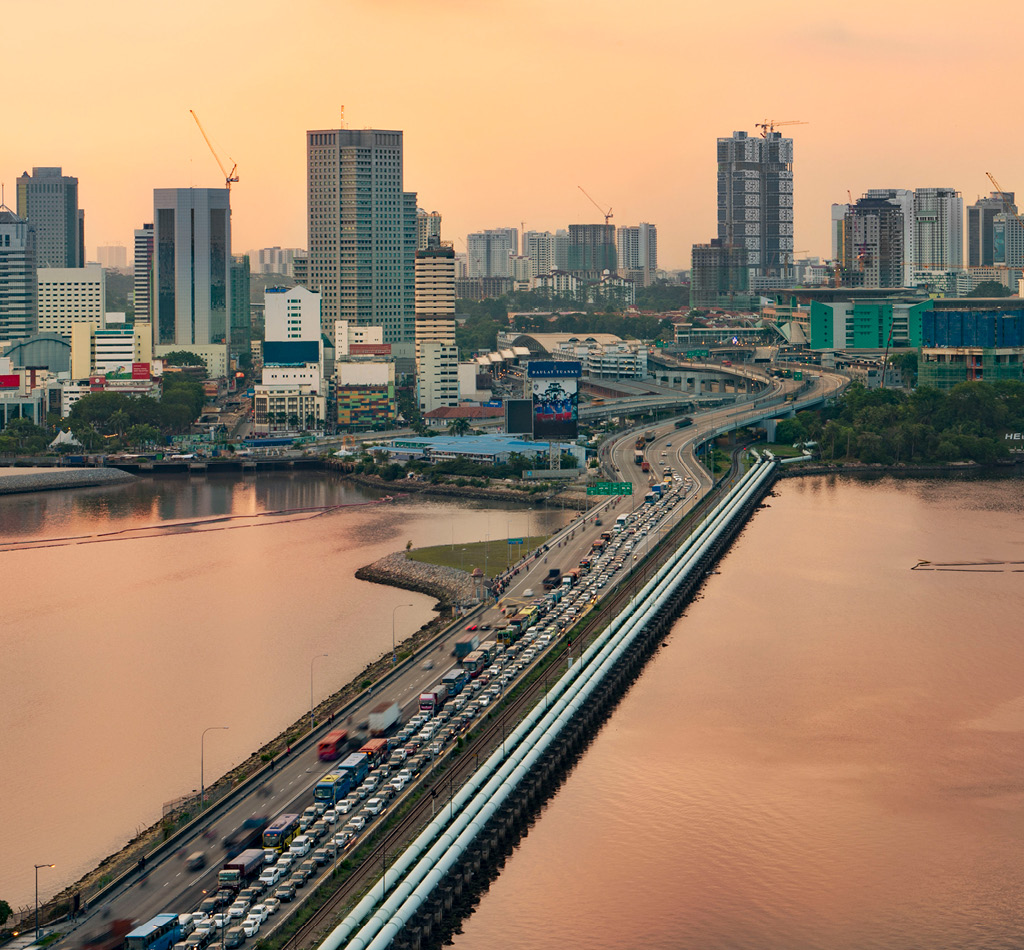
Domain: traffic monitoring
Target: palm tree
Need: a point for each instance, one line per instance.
(458, 427)
(119, 421)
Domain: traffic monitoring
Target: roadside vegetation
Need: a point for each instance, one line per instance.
(464, 557)
(892, 427)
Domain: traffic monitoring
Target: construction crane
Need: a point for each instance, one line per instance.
(607, 214)
(770, 125)
(229, 176)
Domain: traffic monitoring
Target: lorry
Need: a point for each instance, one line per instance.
(240, 870)
(248, 836)
(645, 466)
(571, 578)
(383, 718)
(684, 422)
(650, 435)
(433, 700)
(465, 645)
(553, 579)
(638, 456)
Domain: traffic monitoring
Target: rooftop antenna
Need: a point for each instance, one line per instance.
(341, 121)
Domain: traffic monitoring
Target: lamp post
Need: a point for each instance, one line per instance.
(394, 653)
(38, 866)
(311, 662)
(202, 752)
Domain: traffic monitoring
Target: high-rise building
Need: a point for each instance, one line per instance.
(70, 295)
(981, 228)
(362, 230)
(490, 252)
(112, 256)
(240, 333)
(638, 253)
(142, 273)
(938, 229)
(275, 260)
(17, 276)
(592, 250)
(291, 314)
(48, 200)
(546, 251)
(191, 265)
(874, 252)
(716, 271)
(437, 356)
(428, 226)
(755, 201)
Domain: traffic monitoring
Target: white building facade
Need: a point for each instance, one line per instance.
(291, 314)
(70, 295)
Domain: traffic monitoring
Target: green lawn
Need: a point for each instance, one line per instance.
(489, 556)
(782, 450)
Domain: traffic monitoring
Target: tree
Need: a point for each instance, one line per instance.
(183, 358)
(142, 435)
(991, 288)
(458, 427)
(119, 421)
(5, 912)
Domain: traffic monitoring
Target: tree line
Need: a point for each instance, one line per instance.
(893, 427)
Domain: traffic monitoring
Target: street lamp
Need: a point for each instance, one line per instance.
(394, 654)
(202, 750)
(38, 866)
(311, 662)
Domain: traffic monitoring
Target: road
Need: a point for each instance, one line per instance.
(170, 886)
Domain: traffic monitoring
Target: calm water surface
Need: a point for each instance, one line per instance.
(134, 617)
(827, 752)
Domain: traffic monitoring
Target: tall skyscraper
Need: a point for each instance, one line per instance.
(874, 252)
(981, 228)
(592, 250)
(638, 253)
(546, 251)
(142, 273)
(191, 265)
(18, 286)
(48, 200)
(240, 326)
(427, 226)
(362, 230)
(491, 252)
(437, 356)
(755, 201)
(938, 229)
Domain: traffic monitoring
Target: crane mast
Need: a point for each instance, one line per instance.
(229, 176)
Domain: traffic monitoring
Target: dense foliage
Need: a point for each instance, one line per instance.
(990, 288)
(888, 426)
(114, 413)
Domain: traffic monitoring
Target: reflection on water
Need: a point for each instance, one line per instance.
(121, 649)
(827, 753)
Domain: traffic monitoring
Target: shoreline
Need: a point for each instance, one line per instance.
(25, 481)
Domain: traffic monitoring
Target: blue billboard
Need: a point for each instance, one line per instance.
(553, 369)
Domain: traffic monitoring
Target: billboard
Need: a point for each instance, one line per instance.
(553, 369)
(555, 408)
(519, 416)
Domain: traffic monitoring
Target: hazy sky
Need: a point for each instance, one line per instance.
(508, 107)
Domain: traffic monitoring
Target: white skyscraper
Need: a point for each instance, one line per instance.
(362, 230)
(437, 356)
(638, 252)
(938, 229)
(291, 314)
(490, 252)
(191, 265)
(142, 273)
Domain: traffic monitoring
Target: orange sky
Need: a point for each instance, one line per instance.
(508, 107)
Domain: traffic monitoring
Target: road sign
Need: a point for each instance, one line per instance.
(515, 540)
(610, 488)
(697, 354)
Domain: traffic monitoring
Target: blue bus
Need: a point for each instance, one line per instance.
(455, 679)
(358, 764)
(280, 832)
(333, 787)
(160, 933)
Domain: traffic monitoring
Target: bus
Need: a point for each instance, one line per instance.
(375, 751)
(466, 644)
(489, 648)
(585, 565)
(358, 764)
(620, 522)
(650, 498)
(332, 788)
(280, 832)
(475, 663)
(159, 933)
(455, 679)
(598, 546)
(332, 745)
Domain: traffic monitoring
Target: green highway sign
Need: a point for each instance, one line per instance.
(697, 354)
(610, 488)
(515, 540)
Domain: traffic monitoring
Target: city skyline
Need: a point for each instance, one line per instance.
(648, 157)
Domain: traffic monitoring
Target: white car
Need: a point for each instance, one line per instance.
(285, 862)
(358, 823)
(330, 816)
(345, 806)
(270, 876)
(301, 845)
(251, 926)
(238, 909)
(375, 806)
(259, 910)
(398, 783)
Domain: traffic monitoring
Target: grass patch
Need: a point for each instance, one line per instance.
(781, 449)
(489, 556)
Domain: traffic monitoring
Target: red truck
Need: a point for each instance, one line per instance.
(645, 466)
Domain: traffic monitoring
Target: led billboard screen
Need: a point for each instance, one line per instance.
(519, 416)
(555, 409)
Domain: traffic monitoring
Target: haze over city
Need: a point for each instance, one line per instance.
(507, 110)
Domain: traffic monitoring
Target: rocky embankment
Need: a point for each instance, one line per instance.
(447, 584)
(56, 479)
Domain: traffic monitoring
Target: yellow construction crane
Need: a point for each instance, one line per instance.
(607, 214)
(770, 125)
(229, 176)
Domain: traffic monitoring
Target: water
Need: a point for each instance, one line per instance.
(135, 617)
(828, 752)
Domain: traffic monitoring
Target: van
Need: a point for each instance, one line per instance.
(196, 861)
(301, 845)
(187, 925)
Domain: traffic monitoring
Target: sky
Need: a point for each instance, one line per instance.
(507, 108)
